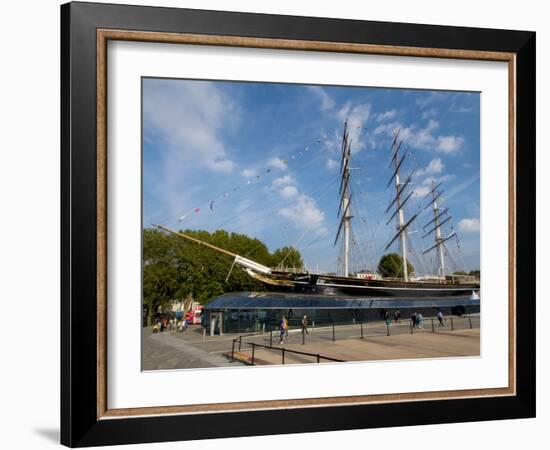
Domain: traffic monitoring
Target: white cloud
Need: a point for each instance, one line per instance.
(423, 138)
(434, 166)
(343, 112)
(277, 163)
(431, 98)
(322, 231)
(247, 173)
(222, 165)
(333, 142)
(432, 112)
(283, 181)
(331, 164)
(450, 144)
(288, 192)
(415, 137)
(189, 118)
(439, 179)
(388, 115)
(422, 191)
(460, 109)
(326, 100)
(425, 187)
(469, 225)
(357, 117)
(387, 128)
(304, 213)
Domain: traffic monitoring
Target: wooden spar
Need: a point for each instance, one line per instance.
(396, 171)
(242, 261)
(440, 242)
(399, 192)
(402, 229)
(395, 138)
(439, 193)
(345, 178)
(344, 144)
(197, 241)
(437, 226)
(400, 207)
(396, 153)
(344, 217)
(433, 189)
(445, 211)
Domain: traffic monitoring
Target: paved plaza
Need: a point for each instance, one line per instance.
(193, 349)
(168, 351)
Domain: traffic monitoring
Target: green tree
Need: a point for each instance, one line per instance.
(475, 273)
(160, 275)
(287, 257)
(391, 265)
(176, 269)
(460, 272)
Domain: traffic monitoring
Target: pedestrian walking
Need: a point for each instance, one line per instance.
(396, 315)
(304, 324)
(419, 320)
(282, 330)
(286, 328)
(185, 324)
(440, 317)
(413, 319)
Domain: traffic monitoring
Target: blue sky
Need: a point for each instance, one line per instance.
(263, 159)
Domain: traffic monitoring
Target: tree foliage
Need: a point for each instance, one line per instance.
(174, 268)
(287, 257)
(391, 265)
(475, 273)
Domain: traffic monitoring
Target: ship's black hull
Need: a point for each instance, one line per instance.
(342, 286)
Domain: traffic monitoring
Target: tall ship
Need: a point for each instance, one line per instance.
(438, 286)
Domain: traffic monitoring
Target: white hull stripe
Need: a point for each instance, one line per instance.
(389, 288)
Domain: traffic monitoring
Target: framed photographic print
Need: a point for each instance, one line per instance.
(276, 224)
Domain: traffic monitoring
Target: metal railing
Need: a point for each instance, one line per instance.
(363, 330)
(284, 351)
(238, 341)
(455, 322)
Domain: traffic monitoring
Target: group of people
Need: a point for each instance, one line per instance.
(417, 319)
(396, 316)
(283, 328)
(166, 324)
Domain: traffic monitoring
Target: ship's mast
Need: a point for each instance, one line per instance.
(345, 200)
(346, 236)
(436, 224)
(401, 223)
(438, 233)
(396, 162)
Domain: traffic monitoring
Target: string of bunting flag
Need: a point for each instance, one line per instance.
(265, 173)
